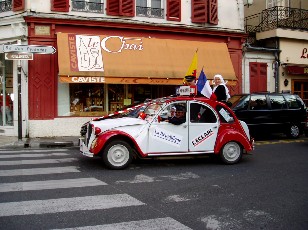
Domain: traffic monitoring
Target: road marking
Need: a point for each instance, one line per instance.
(44, 161)
(279, 142)
(151, 224)
(38, 171)
(67, 204)
(29, 155)
(33, 151)
(50, 184)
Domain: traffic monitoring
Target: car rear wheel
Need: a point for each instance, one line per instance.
(117, 155)
(293, 131)
(231, 153)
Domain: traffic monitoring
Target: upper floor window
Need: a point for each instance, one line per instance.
(95, 6)
(204, 11)
(11, 5)
(150, 8)
(273, 3)
(121, 8)
(5, 5)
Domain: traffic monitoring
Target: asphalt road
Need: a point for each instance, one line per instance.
(60, 189)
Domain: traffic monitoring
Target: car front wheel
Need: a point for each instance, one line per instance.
(293, 131)
(231, 153)
(117, 155)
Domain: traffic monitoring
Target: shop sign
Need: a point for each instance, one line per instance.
(119, 80)
(297, 70)
(18, 56)
(29, 49)
(86, 51)
(304, 53)
(70, 79)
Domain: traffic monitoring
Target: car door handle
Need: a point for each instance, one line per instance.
(215, 127)
(185, 126)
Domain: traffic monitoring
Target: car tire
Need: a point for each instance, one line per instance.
(293, 131)
(231, 153)
(117, 154)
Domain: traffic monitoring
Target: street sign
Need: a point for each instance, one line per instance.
(29, 49)
(18, 56)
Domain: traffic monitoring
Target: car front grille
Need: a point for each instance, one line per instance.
(89, 132)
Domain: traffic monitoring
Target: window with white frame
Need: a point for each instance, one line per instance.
(150, 8)
(281, 10)
(273, 3)
(5, 5)
(95, 6)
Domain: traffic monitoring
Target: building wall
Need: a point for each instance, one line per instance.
(230, 14)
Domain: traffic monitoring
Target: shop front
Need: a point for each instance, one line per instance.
(103, 68)
(101, 74)
(294, 67)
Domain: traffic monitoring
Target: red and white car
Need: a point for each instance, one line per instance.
(210, 127)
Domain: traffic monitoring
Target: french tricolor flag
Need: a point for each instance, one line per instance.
(203, 86)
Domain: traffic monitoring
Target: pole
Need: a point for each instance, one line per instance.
(19, 98)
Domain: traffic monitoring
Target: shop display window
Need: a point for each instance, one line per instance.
(88, 100)
(81, 100)
(116, 97)
(6, 92)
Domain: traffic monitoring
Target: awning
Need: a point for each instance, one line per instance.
(139, 60)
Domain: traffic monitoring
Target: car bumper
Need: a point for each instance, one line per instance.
(84, 150)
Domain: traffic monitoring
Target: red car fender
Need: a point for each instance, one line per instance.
(227, 134)
(101, 140)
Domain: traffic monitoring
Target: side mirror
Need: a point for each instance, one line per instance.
(159, 119)
(142, 115)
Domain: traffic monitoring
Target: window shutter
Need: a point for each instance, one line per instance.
(199, 9)
(127, 8)
(174, 10)
(60, 5)
(113, 7)
(18, 5)
(213, 12)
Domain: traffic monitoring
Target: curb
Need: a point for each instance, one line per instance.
(38, 143)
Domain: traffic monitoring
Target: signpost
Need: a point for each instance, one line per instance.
(23, 52)
(29, 49)
(18, 56)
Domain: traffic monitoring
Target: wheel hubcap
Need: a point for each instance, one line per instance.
(294, 131)
(118, 155)
(231, 152)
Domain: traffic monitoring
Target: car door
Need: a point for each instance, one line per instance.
(166, 138)
(279, 112)
(203, 127)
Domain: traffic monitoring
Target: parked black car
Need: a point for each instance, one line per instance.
(271, 113)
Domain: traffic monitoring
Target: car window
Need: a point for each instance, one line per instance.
(170, 110)
(224, 114)
(292, 102)
(258, 102)
(200, 113)
(277, 102)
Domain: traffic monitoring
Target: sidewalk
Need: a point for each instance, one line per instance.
(43, 142)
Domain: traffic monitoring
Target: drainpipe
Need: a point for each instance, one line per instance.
(276, 53)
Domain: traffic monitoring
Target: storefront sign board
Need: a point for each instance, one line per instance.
(131, 58)
(297, 70)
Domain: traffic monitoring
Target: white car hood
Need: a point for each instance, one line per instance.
(109, 124)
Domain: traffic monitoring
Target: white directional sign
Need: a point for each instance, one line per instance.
(29, 49)
(18, 56)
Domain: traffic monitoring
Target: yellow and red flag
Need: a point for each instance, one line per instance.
(192, 70)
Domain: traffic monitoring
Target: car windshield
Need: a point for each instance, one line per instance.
(153, 109)
(239, 101)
